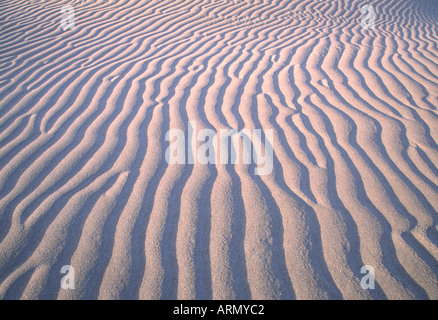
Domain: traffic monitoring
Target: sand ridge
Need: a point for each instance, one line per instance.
(83, 174)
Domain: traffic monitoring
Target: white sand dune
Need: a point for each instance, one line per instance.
(84, 180)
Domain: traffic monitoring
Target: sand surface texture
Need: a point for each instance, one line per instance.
(84, 179)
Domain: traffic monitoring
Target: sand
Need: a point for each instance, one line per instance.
(84, 180)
